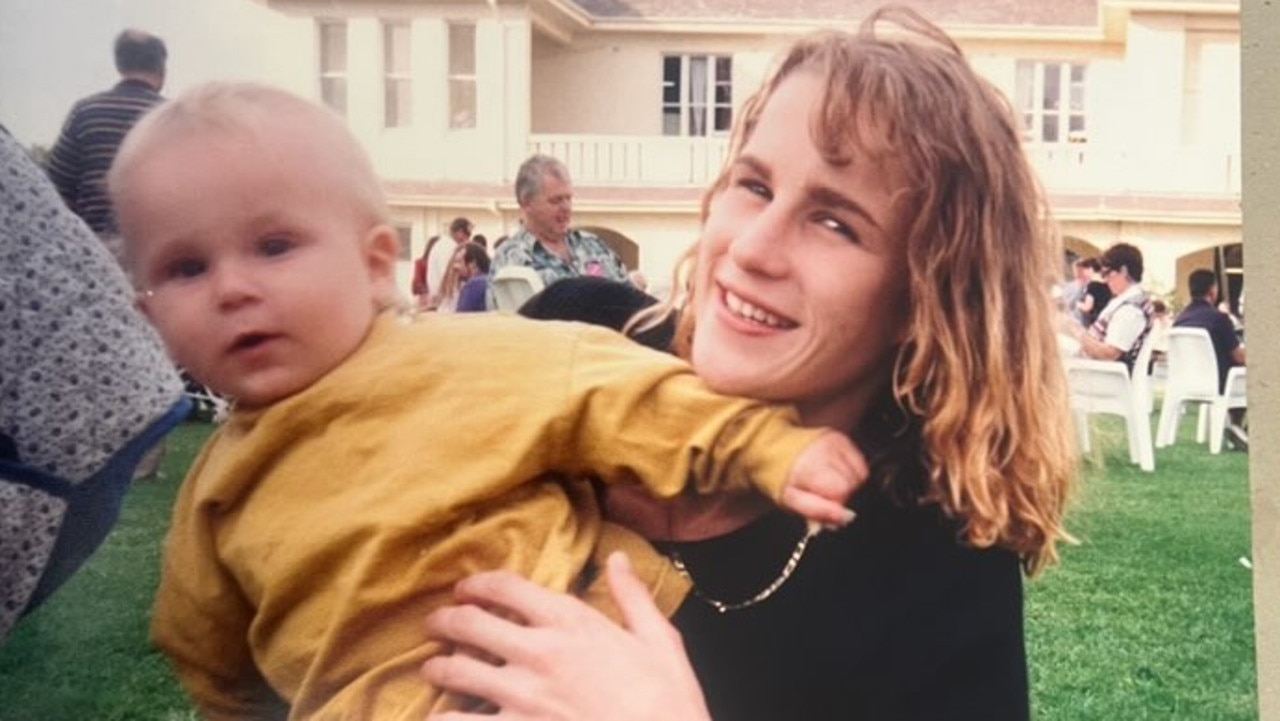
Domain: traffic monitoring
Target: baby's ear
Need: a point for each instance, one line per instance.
(142, 302)
(381, 248)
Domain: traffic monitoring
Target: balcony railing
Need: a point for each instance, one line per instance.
(1075, 168)
(634, 160)
(660, 161)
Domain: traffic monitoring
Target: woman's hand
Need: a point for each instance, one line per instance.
(567, 661)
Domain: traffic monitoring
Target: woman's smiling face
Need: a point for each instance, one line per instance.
(801, 285)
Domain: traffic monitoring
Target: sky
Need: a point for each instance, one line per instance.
(53, 52)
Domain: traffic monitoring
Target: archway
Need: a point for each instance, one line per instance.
(1074, 249)
(627, 249)
(1226, 261)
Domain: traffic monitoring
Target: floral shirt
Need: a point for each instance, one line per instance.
(588, 256)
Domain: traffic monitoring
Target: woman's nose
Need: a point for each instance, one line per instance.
(762, 243)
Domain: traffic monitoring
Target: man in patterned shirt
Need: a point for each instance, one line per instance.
(96, 125)
(546, 243)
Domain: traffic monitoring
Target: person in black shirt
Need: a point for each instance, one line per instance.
(1203, 312)
(1095, 294)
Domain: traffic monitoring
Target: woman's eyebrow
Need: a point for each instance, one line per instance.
(818, 194)
(754, 164)
(823, 195)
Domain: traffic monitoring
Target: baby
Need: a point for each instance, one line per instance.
(371, 462)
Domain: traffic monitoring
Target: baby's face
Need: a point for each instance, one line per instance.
(250, 261)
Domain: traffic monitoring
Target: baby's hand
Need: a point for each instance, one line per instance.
(822, 479)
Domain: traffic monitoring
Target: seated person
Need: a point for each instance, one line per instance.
(346, 493)
(1094, 295)
(1203, 312)
(545, 241)
(474, 274)
(1123, 325)
(86, 386)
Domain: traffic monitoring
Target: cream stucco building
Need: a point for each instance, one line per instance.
(1131, 106)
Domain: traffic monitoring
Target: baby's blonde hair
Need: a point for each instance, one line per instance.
(244, 109)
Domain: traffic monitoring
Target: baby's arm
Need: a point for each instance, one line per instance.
(822, 479)
(636, 415)
(201, 622)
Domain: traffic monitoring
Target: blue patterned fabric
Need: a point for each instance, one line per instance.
(85, 386)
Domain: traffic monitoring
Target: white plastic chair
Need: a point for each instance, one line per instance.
(1099, 386)
(1193, 378)
(514, 284)
(1143, 389)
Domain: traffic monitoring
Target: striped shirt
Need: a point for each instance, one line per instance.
(92, 133)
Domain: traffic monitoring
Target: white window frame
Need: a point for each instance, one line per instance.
(462, 78)
(1051, 98)
(397, 78)
(332, 71)
(699, 101)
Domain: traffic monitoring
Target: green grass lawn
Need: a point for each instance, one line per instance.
(1150, 617)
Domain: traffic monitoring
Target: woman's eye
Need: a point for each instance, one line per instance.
(275, 246)
(755, 187)
(840, 228)
(184, 268)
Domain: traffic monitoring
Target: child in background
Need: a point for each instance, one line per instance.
(370, 462)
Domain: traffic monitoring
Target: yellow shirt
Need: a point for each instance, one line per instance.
(312, 538)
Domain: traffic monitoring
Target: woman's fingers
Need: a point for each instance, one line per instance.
(467, 675)
(512, 594)
(639, 612)
(471, 626)
(569, 662)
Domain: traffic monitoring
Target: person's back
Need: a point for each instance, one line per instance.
(1203, 312)
(96, 125)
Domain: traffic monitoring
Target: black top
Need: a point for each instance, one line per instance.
(1200, 314)
(890, 618)
(1101, 293)
(599, 301)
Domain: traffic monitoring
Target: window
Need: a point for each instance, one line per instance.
(697, 94)
(397, 96)
(462, 76)
(1051, 99)
(333, 64)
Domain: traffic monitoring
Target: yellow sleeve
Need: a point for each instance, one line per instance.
(201, 619)
(635, 414)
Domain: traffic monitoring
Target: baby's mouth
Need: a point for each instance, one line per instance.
(249, 341)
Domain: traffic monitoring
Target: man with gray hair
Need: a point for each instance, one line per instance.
(96, 126)
(545, 242)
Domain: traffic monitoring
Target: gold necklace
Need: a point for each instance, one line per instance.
(787, 569)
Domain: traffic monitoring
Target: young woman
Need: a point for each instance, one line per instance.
(876, 252)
